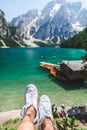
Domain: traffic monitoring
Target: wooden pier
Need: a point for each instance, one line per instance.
(52, 68)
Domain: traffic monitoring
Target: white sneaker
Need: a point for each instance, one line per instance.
(45, 109)
(31, 96)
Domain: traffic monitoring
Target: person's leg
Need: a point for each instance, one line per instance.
(45, 113)
(27, 122)
(47, 124)
(29, 110)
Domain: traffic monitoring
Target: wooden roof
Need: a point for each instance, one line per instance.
(75, 65)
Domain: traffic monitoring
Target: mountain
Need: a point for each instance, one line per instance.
(8, 34)
(56, 22)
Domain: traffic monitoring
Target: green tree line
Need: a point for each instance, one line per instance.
(77, 41)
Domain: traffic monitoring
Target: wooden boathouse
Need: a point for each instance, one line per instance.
(67, 70)
(73, 70)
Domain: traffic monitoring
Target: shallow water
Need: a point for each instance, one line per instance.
(20, 67)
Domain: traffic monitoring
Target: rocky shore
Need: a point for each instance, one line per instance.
(4, 116)
(80, 110)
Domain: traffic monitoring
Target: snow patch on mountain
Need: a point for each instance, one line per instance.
(55, 9)
(28, 27)
(30, 43)
(77, 27)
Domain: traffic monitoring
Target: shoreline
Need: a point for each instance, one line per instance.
(7, 115)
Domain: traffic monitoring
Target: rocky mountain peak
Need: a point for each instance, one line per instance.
(2, 22)
(8, 33)
(57, 20)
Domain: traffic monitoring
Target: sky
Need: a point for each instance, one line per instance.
(14, 8)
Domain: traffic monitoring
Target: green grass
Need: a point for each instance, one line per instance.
(67, 123)
(61, 123)
(11, 124)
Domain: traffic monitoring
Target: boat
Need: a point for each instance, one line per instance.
(42, 57)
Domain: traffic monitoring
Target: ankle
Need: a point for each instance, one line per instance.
(47, 123)
(30, 112)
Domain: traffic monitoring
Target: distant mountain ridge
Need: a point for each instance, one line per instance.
(57, 21)
(8, 34)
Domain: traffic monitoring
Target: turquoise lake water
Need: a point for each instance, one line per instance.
(20, 67)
